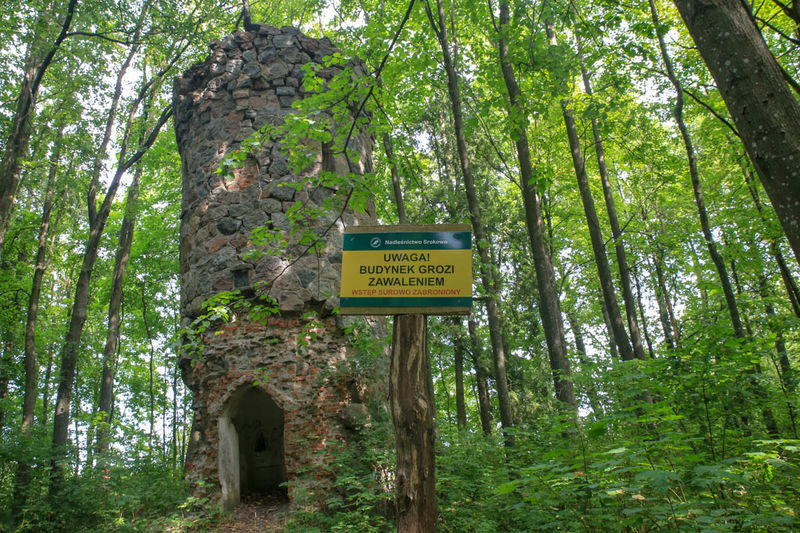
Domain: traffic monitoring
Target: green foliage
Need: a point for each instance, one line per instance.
(468, 470)
(699, 458)
(217, 311)
(657, 482)
(118, 494)
(360, 495)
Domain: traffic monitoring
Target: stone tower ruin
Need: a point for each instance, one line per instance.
(271, 393)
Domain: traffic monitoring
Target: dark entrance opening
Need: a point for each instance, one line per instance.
(251, 453)
(259, 424)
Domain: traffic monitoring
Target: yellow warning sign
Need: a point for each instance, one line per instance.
(407, 269)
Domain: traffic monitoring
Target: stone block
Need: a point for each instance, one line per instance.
(279, 221)
(290, 54)
(228, 43)
(306, 277)
(269, 264)
(269, 205)
(254, 219)
(222, 258)
(213, 214)
(267, 55)
(289, 301)
(243, 36)
(216, 69)
(234, 66)
(308, 44)
(283, 188)
(284, 40)
(228, 226)
(277, 69)
(215, 244)
(239, 242)
(223, 282)
(251, 69)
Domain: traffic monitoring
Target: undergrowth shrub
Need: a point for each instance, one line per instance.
(115, 496)
(360, 498)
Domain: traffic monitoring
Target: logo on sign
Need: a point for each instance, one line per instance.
(375, 242)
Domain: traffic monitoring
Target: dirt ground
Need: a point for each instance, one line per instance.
(261, 513)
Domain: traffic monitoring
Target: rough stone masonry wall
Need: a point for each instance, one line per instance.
(251, 79)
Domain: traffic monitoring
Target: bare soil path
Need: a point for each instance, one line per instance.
(259, 513)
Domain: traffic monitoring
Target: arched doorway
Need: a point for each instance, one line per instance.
(251, 452)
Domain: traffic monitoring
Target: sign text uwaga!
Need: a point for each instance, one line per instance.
(392, 270)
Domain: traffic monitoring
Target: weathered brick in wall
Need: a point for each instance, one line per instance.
(311, 384)
(251, 79)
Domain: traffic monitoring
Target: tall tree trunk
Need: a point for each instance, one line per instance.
(613, 220)
(164, 440)
(22, 478)
(439, 24)
(458, 355)
(549, 306)
(6, 363)
(31, 364)
(755, 372)
(451, 186)
(593, 224)
(580, 346)
(51, 346)
(46, 392)
(151, 366)
(786, 275)
(69, 352)
(716, 257)
(640, 306)
(16, 145)
(476, 351)
(397, 187)
(666, 314)
(660, 264)
(411, 401)
(763, 107)
(612, 344)
(112, 333)
(784, 369)
(175, 415)
(97, 221)
(697, 267)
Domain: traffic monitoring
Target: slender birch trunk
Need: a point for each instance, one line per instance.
(613, 220)
(16, 145)
(111, 348)
(549, 306)
(484, 404)
(438, 23)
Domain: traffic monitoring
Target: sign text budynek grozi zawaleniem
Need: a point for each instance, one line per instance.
(407, 269)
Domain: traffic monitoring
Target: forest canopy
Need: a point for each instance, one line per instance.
(629, 174)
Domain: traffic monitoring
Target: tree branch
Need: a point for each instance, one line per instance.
(99, 36)
(713, 112)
